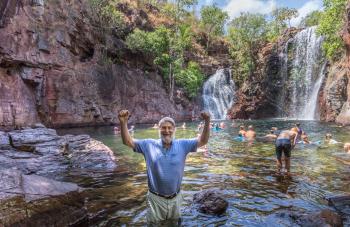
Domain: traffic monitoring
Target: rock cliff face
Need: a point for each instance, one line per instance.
(258, 97)
(335, 96)
(55, 68)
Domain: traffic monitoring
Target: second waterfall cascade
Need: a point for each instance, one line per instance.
(303, 70)
(219, 93)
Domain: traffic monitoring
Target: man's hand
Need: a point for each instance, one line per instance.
(205, 116)
(203, 139)
(123, 116)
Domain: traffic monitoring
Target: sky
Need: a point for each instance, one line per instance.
(235, 7)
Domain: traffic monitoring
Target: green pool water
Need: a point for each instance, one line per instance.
(245, 173)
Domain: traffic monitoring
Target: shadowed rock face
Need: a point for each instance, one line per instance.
(335, 96)
(54, 69)
(259, 96)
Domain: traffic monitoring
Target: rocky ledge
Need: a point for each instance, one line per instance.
(31, 162)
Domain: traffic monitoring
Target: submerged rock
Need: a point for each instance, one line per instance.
(31, 200)
(322, 218)
(210, 202)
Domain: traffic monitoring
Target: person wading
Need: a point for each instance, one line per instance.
(165, 163)
(285, 142)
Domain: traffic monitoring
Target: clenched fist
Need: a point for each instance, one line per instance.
(123, 116)
(205, 116)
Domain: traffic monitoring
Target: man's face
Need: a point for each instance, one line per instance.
(166, 132)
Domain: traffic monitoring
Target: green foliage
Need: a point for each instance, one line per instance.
(213, 20)
(177, 10)
(280, 17)
(312, 19)
(191, 79)
(331, 23)
(106, 13)
(283, 14)
(246, 34)
(167, 50)
(169, 10)
(155, 43)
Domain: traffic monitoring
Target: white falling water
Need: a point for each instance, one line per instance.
(306, 74)
(219, 93)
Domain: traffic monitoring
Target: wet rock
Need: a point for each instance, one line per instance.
(90, 154)
(43, 152)
(30, 139)
(39, 125)
(341, 203)
(30, 200)
(324, 218)
(4, 140)
(37, 2)
(210, 202)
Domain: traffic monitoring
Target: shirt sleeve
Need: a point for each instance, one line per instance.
(140, 146)
(190, 145)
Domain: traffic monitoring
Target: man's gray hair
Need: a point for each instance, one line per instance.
(166, 119)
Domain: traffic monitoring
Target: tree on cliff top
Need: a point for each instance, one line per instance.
(283, 14)
(312, 19)
(278, 23)
(246, 34)
(213, 20)
(331, 23)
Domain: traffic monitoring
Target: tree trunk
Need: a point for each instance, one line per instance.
(170, 81)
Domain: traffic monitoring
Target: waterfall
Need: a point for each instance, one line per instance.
(304, 66)
(218, 94)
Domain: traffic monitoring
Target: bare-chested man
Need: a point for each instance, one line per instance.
(250, 134)
(285, 142)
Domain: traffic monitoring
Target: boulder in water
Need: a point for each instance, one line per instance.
(210, 202)
(323, 218)
(31, 200)
(41, 151)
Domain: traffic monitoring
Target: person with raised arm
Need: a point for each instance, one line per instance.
(165, 162)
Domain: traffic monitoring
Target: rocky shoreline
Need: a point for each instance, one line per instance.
(31, 163)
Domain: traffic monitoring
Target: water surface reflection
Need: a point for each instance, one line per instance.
(244, 172)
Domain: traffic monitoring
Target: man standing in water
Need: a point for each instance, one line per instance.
(250, 134)
(285, 142)
(165, 162)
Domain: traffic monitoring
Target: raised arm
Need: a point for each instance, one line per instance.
(295, 137)
(203, 139)
(123, 119)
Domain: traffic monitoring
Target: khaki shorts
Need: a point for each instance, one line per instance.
(160, 209)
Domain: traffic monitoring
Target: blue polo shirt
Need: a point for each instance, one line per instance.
(165, 167)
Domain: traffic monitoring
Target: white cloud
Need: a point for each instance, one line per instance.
(307, 8)
(235, 7)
